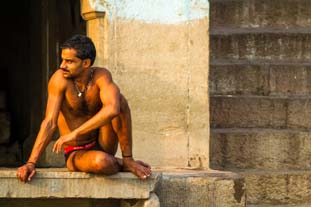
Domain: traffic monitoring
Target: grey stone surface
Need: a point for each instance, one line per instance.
(260, 112)
(280, 188)
(240, 149)
(58, 183)
(262, 46)
(153, 201)
(272, 79)
(239, 79)
(51, 159)
(177, 187)
(299, 113)
(184, 188)
(247, 111)
(263, 13)
(283, 205)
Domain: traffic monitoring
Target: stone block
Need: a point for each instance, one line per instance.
(265, 149)
(248, 111)
(238, 79)
(58, 183)
(261, 46)
(263, 13)
(299, 113)
(283, 205)
(278, 188)
(153, 201)
(182, 188)
(51, 159)
(260, 79)
(290, 80)
(260, 111)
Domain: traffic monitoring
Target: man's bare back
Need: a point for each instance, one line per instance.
(91, 114)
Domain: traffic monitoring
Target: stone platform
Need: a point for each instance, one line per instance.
(166, 188)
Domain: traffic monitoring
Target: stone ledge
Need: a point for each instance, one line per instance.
(59, 183)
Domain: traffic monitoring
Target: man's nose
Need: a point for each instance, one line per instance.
(62, 64)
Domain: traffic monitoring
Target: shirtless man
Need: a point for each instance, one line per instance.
(91, 114)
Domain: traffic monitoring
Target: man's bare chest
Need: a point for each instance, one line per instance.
(88, 103)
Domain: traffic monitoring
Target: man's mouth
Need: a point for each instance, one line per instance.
(64, 70)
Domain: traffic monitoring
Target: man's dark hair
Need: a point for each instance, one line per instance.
(83, 45)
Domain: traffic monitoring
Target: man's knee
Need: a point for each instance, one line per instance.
(106, 164)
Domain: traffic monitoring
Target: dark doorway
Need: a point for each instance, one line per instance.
(31, 35)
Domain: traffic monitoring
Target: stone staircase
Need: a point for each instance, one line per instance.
(260, 90)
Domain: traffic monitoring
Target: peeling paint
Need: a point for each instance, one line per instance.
(153, 11)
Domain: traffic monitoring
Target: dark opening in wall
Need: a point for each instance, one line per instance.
(32, 31)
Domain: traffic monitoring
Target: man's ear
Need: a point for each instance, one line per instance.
(87, 63)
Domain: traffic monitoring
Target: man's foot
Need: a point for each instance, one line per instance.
(137, 167)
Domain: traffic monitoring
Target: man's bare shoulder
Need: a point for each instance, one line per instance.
(101, 71)
(102, 74)
(57, 80)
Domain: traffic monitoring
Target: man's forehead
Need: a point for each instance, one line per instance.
(69, 53)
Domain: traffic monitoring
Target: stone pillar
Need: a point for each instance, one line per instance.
(158, 54)
(94, 15)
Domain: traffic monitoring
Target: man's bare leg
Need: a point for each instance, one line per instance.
(121, 130)
(93, 161)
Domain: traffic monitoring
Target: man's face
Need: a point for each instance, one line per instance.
(71, 65)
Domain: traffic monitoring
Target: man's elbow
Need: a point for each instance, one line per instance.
(48, 124)
(115, 111)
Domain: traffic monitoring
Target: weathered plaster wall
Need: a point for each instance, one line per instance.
(158, 53)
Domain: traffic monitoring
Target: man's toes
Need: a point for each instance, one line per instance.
(144, 164)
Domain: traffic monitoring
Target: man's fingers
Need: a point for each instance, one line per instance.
(31, 175)
(57, 146)
(54, 147)
(144, 172)
(18, 175)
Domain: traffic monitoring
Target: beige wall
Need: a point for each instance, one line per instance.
(161, 65)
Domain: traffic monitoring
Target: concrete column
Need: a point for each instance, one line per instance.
(158, 54)
(96, 26)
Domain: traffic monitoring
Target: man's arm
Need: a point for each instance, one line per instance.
(48, 126)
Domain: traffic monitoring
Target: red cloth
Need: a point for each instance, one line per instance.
(81, 147)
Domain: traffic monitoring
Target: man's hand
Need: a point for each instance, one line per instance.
(26, 172)
(62, 140)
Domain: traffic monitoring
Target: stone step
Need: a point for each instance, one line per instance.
(260, 79)
(265, 30)
(194, 188)
(227, 111)
(59, 183)
(264, 149)
(278, 188)
(263, 13)
(261, 46)
(289, 205)
(175, 188)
